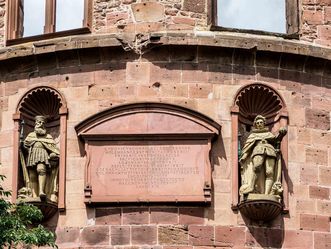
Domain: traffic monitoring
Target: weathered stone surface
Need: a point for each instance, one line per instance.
(163, 216)
(173, 235)
(316, 156)
(201, 235)
(315, 222)
(148, 12)
(135, 215)
(144, 235)
(120, 235)
(319, 192)
(265, 237)
(197, 6)
(107, 216)
(318, 119)
(95, 235)
(322, 240)
(67, 236)
(229, 236)
(188, 216)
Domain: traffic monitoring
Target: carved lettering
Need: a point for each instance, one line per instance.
(145, 166)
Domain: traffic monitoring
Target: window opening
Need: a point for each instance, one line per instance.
(66, 18)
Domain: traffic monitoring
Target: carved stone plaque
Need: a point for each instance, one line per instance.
(160, 164)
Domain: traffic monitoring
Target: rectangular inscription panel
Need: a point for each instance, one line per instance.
(148, 170)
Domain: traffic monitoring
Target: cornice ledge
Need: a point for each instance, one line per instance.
(193, 38)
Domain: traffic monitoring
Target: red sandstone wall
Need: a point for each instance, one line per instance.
(206, 80)
(194, 77)
(316, 21)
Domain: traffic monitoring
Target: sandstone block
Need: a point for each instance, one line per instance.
(309, 175)
(137, 72)
(200, 90)
(173, 235)
(67, 237)
(183, 20)
(108, 216)
(318, 119)
(305, 206)
(312, 17)
(164, 216)
(95, 235)
(201, 235)
(135, 216)
(265, 237)
(324, 32)
(316, 192)
(148, 12)
(316, 156)
(324, 176)
(219, 73)
(322, 240)
(164, 73)
(144, 235)
(117, 17)
(101, 92)
(298, 239)
(194, 73)
(315, 222)
(120, 235)
(324, 207)
(197, 6)
(189, 216)
(229, 236)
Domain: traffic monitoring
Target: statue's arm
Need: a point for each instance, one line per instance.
(27, 143)
(281, 133)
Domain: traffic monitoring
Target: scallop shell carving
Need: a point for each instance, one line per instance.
(258, 99)
(41, 101)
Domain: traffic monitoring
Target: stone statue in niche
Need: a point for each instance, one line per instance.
(260, 162)
(40, 166)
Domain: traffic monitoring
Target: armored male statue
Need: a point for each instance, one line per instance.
(42, 161)
(260, 160)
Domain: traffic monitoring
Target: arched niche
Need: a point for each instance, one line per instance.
(49, 102)
(147, 152)
(252, 100)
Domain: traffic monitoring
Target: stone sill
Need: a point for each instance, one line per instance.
(197, 38)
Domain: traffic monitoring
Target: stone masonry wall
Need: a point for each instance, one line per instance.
(316, 21)
(135, 16)
(204, 79)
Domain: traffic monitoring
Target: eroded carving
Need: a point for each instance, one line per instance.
(39, 158)
(260, 163)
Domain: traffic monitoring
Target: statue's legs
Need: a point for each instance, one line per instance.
(258, 161)
(41, 170)
(269, 174)
(33, 181)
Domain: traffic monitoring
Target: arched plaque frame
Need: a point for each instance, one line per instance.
(161, 136)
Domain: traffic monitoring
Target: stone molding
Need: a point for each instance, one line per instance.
(199, 38)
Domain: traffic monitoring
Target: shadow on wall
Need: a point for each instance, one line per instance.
(265, 236)
(197, 64)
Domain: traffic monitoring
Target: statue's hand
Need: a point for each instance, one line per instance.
(53, 156)
(283, 131)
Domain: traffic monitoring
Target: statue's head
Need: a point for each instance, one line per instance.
(259, 122)
(39, 126)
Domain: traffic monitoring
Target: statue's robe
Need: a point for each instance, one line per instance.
(39, 148)
(259, 142)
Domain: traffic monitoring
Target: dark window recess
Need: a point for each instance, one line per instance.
(275, 17)
(30, 20)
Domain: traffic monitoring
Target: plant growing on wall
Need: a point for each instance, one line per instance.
(16, 224)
